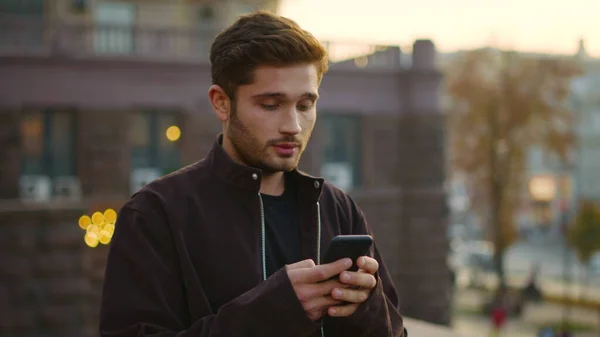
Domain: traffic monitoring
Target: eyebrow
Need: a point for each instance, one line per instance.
(310, 95)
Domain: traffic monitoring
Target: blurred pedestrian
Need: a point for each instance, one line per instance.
(499, 316)
(499, 312)
(565, 333)
(531, 291)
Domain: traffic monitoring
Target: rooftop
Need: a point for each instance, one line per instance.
(22, 36)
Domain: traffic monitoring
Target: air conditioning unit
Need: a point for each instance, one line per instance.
(36, 188)
(142, 176)
(67, 188)
(339, 174)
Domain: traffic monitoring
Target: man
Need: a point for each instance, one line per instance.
(231, 245)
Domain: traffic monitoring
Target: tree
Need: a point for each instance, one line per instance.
(501, 105)
(584, 236)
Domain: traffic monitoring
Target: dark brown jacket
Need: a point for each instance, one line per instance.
(186, 259)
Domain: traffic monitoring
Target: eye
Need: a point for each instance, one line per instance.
(305, 105)
(270, 106)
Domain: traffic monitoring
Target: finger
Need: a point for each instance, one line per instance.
(322, 302)
(302, 264)
(323, 272)
(320, 289)
(350, 295)
(359, 279)
(342, 310)
(368, 264)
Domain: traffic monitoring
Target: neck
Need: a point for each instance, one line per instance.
(271, 184)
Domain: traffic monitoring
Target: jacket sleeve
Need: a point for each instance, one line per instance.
(144, 294)
(379, 315)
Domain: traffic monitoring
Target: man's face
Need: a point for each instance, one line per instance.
(272, 119)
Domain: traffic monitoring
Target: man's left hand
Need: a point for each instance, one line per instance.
(360, 283)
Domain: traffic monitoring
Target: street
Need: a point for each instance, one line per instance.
(549, 254)
(468, 320)
(550, 257)
(520, 258)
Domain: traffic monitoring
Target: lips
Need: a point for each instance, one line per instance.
(287, 145)
(286, 149)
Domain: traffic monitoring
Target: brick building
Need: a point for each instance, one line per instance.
(84, 106)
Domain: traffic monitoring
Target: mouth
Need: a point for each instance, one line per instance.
(286, 149)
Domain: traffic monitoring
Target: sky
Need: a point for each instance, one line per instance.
(548, 26)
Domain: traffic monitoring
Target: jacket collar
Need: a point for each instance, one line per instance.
(249, 178)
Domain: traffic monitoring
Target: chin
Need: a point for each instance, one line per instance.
(286, 165)
(284, 168)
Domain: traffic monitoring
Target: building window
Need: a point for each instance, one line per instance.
(154, 146)
(114, 27)
(341, 160)
(22, 24)
(22, 7)
(48, 160)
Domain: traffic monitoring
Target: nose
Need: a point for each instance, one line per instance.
(290, 123)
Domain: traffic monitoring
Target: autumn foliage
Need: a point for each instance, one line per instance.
(584, 233)
(503, 104)
(584, 237)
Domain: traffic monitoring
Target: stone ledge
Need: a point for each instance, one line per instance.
(9, 206)
(19, 206)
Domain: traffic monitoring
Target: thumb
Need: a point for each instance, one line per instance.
(309, 263)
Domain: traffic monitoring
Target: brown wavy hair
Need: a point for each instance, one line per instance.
(261, 38)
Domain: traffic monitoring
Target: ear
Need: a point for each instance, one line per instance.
(220, 102)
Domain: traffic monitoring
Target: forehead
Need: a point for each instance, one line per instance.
(292, 80)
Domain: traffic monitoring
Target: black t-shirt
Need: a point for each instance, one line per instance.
(282, 228)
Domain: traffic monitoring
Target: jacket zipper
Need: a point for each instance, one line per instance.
(263, 240)
(319, 248)
(263, 237)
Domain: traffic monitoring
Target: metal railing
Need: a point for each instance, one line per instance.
(112, 40)
(24, 36)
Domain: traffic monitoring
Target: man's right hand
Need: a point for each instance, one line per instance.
(313, 286)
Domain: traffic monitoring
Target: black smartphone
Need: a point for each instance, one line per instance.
(348, 246)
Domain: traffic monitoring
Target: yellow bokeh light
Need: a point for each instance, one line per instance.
(173, 133)
(97, 218)
(84, 222)
(110, 216)
(105, 237)
(110, 228)
(99, 228)
(93, 229)
(91, 239)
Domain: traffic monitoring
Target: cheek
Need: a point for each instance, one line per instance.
(308, 121)
(251, 119)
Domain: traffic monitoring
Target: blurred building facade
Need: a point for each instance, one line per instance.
(573, 181)
(97, 98)
(578, 178)
(585, 98)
